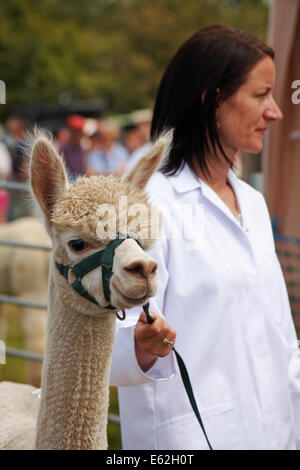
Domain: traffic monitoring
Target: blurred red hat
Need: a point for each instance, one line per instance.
(75, 122)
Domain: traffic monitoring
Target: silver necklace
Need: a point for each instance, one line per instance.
(238, 217)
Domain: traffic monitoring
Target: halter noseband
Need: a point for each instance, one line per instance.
(102, 258)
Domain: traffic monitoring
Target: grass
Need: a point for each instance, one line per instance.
(15, 370)
(113, 430)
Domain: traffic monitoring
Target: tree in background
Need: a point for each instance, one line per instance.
(114, 50)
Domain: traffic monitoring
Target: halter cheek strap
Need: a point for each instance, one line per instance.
(76, 285)
(102, 258)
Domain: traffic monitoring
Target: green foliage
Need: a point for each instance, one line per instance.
(113, 429)
(115, 50)
(15, 369)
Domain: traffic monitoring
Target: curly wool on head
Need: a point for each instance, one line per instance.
(77, 208)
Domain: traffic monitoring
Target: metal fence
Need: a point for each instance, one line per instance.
(15, 300)
(10, 185)
(288, 251)
(24, 302)
(289, 256)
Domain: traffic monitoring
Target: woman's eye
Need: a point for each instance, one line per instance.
(78, 245)
(262, 95)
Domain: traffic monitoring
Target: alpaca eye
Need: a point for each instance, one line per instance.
(78, 245)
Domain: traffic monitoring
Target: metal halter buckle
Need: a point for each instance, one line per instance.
(119, 317)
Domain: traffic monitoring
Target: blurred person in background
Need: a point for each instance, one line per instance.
(14, 139)
(17, 203)
(5, 163)
(5, 173)
(131, 138)
(142, 120)
(62, 136)
(72, 150)
(111, 156)
(95, 141)
(4, 205)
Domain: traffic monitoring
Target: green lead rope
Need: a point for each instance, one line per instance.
(185, 379)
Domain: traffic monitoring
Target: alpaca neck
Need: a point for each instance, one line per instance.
(75, 381)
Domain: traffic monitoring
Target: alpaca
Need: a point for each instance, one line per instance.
(18, 413)
(24, 274)
(80, 331)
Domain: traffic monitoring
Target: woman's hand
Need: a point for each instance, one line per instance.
(151, 340)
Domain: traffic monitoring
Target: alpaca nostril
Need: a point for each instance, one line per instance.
(154, 268)
(141, 268)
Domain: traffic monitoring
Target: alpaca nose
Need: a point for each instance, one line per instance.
(141, 268)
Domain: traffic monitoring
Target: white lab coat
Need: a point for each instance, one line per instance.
(225, 296)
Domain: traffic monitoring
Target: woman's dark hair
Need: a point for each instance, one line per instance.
(207, 69)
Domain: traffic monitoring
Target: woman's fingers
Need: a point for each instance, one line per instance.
(156, 338)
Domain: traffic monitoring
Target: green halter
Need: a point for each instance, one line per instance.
(104, 258)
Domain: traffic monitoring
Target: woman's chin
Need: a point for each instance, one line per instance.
(255, 148)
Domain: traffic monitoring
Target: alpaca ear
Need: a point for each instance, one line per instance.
(48, 177)
(152, 161)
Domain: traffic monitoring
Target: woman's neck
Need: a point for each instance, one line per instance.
(217, 179)
(217, 174)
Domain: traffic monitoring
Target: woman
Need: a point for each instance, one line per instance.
(224, 293)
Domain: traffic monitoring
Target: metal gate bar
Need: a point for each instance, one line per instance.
(7, 299)
(25, 245)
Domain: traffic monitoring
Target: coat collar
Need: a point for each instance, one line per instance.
(186, 181)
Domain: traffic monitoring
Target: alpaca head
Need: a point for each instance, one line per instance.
(84, 217)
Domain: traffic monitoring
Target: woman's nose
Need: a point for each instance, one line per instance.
(273, 112)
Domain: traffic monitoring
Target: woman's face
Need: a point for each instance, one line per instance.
(246, 115)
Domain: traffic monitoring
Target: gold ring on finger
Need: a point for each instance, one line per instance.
(167, 342)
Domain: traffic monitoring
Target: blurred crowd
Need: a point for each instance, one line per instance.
(89, 147)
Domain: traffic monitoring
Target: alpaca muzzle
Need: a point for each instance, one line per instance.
(103, 258)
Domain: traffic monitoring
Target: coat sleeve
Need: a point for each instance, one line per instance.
(125, 370)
